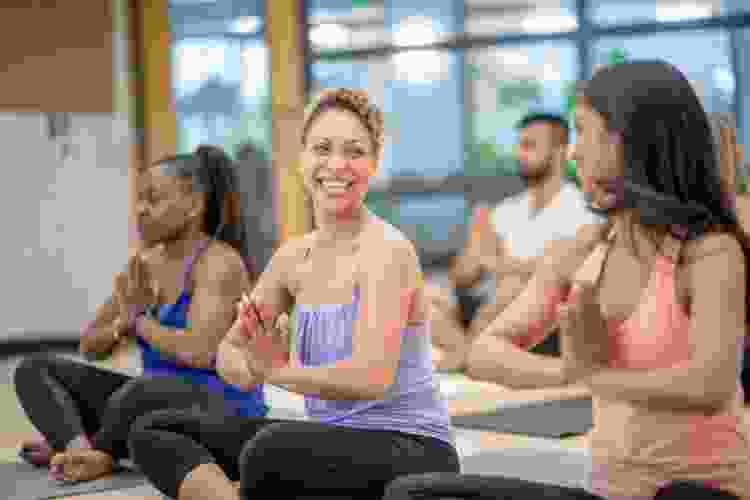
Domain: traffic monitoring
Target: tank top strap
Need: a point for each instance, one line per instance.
(190, 262)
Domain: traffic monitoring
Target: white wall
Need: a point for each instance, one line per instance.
(64, 222)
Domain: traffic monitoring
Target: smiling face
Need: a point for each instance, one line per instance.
(337, 161)
(598, 155)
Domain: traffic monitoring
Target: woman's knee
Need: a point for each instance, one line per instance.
(32, 368)
(264, 447)
(407, 487)
(145, 430)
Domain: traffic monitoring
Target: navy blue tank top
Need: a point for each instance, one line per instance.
(249, 403)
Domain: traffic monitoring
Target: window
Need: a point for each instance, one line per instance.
(436, 222)
(422, 138)
(611, 12)
(357, 24)
(502, 85)
(220, 75)
(703, 56)
(490, 17)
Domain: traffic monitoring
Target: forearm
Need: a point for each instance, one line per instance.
(672, 389)
(508, 265)
(183, 345)
(497, 360)
(97, 339)
(339, 381)
(98, 336)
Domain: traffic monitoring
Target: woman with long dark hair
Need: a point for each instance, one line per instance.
(652, 305)
(177, 297)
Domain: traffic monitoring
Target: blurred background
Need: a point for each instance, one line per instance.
(98, 89)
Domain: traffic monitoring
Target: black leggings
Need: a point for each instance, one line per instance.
(65, 399)
(292, 459)
(475, 487)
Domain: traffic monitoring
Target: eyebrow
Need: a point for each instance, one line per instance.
(350, 141)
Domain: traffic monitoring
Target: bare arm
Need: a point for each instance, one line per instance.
(388, 283)
(498, 360)
(500, 352)
(708, 379)
(219, 283)
(272, 293)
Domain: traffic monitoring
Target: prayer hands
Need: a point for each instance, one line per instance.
(583, 331)
(267, 340)
(563, 258)
(134, 289)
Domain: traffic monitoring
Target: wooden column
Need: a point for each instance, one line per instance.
(284, 38)
(150, 100)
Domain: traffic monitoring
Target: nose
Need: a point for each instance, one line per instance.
(571, 153)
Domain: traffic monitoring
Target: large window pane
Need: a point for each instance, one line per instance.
(419, 94)
(491, 17)
(347, 24)
(703, 56)
(436, 222)
(222, 93)
(502, 85)
(196, 18)
(609, 12)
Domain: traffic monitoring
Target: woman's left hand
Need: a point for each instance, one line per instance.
(268, 344)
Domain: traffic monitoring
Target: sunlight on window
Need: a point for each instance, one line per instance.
(254, 62)
(247, 24)
(330, 36)
(667, 13)
(415, 31)
(548, 21)
(197, 62)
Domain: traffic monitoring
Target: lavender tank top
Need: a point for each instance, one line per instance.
(413, 404)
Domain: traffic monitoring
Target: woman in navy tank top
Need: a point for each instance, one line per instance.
(177, 297)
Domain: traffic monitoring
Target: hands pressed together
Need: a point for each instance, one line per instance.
(134, 290)
(267, 347)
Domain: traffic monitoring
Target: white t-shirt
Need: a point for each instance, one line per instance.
(525, 233)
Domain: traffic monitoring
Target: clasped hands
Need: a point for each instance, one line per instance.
(267, 338)
(583, 329)
(134, 290)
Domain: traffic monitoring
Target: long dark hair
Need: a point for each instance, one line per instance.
(213, 173)
(672, 174)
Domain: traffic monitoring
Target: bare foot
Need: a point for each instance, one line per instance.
(82, 464)
(36, 452)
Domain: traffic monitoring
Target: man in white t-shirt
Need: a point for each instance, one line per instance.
(505, 242)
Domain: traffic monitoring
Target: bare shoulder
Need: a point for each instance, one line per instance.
(720, 249)
(383, 242)
(221, 261)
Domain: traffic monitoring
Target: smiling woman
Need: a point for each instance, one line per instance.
(362, 348)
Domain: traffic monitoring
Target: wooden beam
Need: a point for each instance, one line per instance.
(284, 38)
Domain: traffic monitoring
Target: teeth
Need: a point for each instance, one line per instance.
(335, 185)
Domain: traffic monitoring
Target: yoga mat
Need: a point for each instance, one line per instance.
(543, 464)
(22, 481)
(550, 419)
